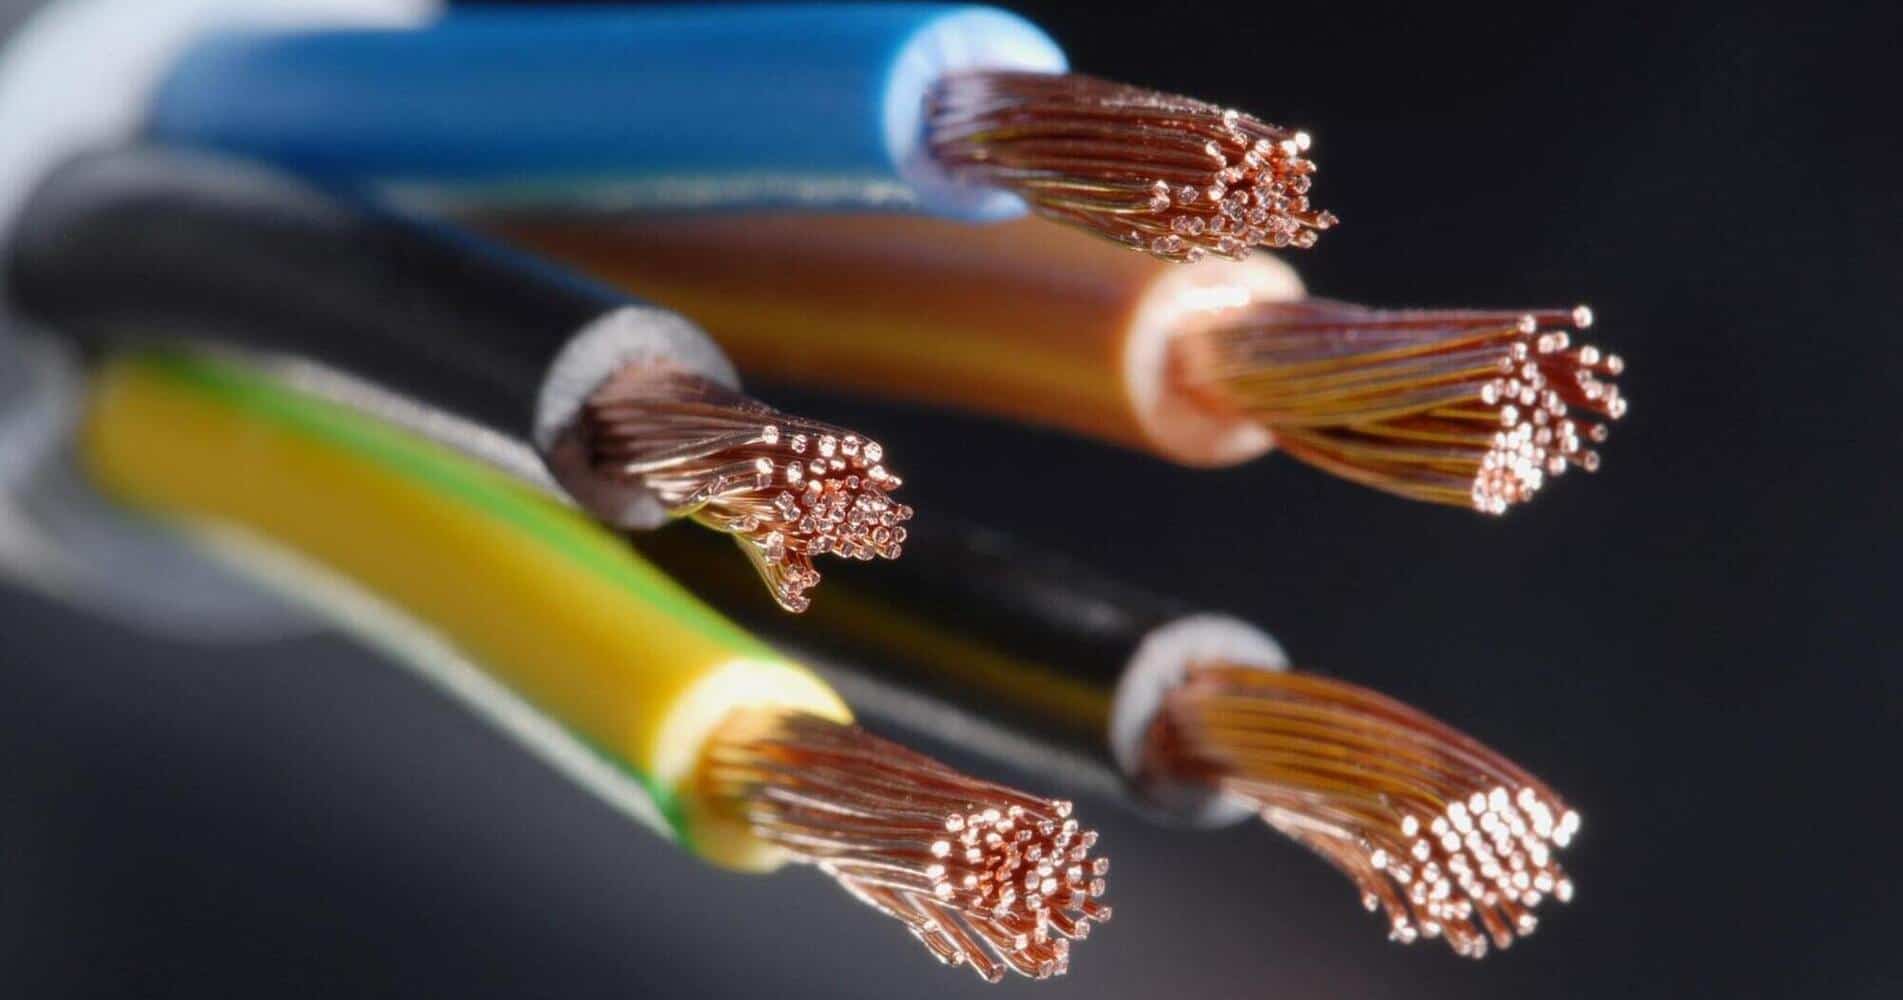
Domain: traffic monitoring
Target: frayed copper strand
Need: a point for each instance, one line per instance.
(1171, 176)
(787, 489)
(1448, 837)
(1465, 407)
(981, 874)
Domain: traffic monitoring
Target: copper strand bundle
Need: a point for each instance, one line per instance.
(981, 874)
(787, 489)
(1448, 837)
(1171, 176)
(1469, 408)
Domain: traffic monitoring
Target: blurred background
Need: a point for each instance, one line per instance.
(1696, 646)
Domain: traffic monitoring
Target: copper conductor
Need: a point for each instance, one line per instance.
(1171, 176)
(787, 489)
(1468, 408)
(981, 874)
(1449, 838)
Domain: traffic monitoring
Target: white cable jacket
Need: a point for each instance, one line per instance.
(78, 75)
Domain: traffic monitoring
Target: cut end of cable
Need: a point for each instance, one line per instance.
(1447, 837)
(1468, 408)
(787, 489)
(981, 874)
(1172, 176)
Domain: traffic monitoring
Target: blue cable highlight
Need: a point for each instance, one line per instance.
(805, 106)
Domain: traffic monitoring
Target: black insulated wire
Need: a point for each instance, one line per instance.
(969, 620)
(165, 245)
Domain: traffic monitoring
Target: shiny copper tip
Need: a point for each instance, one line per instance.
(981, 874)
(1446, 836)
(787, 489)
(1171, 176)
(1463, 407)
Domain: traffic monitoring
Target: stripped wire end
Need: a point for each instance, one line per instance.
(1468, 408)
(981, 874)
(1448, 837)
(1171, 176)
(787, 489)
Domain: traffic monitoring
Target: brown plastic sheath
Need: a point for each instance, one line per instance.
(1024, 320)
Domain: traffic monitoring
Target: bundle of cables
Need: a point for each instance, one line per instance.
(591, 656)
(392, 408)
(636, 413)
(961, 112)
(1032, 660)
(1208, 365)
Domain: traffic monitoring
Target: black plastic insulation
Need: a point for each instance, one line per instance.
(141, 245)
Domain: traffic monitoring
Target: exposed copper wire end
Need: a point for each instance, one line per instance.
(1445, 835)
(1469, 408)
(981, 874)
(1171, 176)
(787, 489)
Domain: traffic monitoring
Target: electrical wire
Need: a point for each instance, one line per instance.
(636, 413)
(962, 112)
(554, 630)
(1445, 835)
(1187, 714)
(793, 488)
(1206, 365)
(1171, 176)
(61, 539)
(1036, 662)
(1448, 406)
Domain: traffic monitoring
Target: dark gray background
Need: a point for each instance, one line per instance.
(1694, 645)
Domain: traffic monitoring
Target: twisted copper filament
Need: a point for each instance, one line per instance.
(1446, 836)
(1463, 407)
(1171, 176)
(787, 489)
(981, 874)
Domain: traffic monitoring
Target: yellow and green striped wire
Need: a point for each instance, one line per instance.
(576, 634)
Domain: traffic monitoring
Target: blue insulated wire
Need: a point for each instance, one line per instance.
(727, 107)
